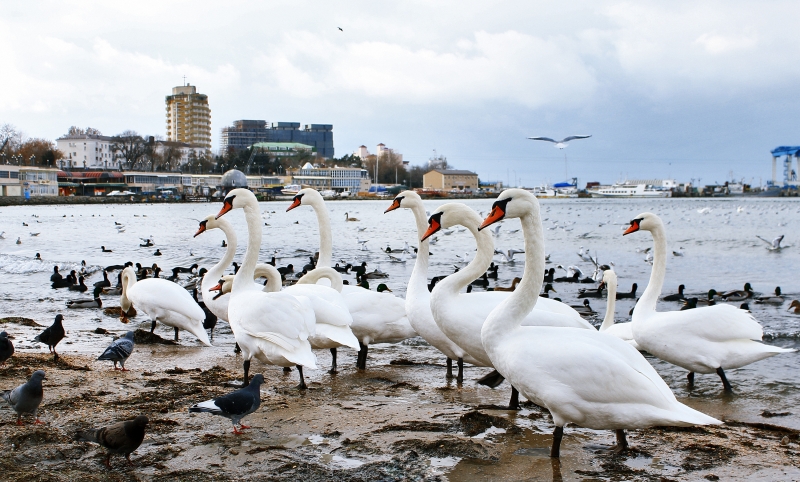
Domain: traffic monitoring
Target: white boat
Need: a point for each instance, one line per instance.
(291, 189)
(629, 190)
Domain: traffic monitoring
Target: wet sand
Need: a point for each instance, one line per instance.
(399, 420)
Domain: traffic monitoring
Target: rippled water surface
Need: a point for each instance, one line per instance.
(717, 237)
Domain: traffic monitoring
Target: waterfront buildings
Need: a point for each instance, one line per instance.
(449, 179)
(353, 179)
(188, 117)
(244, 133)
(380, 151)
(282, 149)
(87, 151)
(28, 181)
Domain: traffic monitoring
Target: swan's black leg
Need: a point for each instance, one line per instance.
(302, 385)
(236, 349)
(492, 380)
(513, 404)
(246, 366)
(725, 382)
(333, 362)
(153, 326)
(449, 374)
(287, 369)
(361, 364)
(176, 334)
(558, 434)
(622, 442)
(690, 377)
(460, 377)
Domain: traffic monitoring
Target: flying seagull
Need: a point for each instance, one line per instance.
(559, 144)
(340, 28)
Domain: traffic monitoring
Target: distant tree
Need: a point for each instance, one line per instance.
(10, 138)
(390, 168)
(93, 132)
(75, 131)
(439, 162)
(44, 152)
(130, 149)
(415, 174)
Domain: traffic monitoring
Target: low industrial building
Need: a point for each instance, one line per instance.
(449, 179)
(353, 179)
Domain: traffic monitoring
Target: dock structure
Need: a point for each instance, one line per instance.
(789, 174)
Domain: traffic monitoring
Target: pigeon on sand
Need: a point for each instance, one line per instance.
(6, 348)
(27, 397)
(119, 438)
(52, 335)
(236, 405)
(119, 350)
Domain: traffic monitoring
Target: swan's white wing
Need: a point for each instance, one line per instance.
(157, 293)
(259, 312)
(714, 323)
(328, 304)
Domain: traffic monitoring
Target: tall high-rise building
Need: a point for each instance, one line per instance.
(188, 117)
(244, 133)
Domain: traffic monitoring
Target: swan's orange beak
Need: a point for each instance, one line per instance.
(216, 287)
(634, 227)
(395, 205)
(201, 229)
(496, 215)
(434, 227)
(227, 205)
(295, 203)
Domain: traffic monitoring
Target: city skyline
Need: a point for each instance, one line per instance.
(681, 90)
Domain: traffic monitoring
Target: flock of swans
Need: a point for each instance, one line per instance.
(543, 347)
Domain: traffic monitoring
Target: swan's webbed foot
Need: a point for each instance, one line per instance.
(622, 443)
(492, 380)
(555, 450)
(725, 382)
(302, 385)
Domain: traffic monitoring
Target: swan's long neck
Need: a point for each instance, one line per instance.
(216, 271)
(127, 283)
(475, 269)
(244, 277)
(272, 274)
(325, 235)
(419, 276)
(647, 303)
(611, 305)
(510, 313)
(317, 274)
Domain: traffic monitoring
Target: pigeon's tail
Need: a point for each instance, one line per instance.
(87, 435)
(6, 395)
(208, 407)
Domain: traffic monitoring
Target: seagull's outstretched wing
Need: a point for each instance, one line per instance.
(776, 243)
(543, 139)
(567, 139)
(762, 239)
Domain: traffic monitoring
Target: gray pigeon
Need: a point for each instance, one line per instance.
(120, 438)
(6, 348)
(26, 397)
(52, 335)
(119, 350)
(236, 405)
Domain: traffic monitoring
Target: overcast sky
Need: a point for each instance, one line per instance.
(680, 89)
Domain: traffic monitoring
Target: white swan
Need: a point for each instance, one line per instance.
(333, 320)
(703, 340)
(620, 330)
(164, 302)
(377, 317)
(272, 327)
(459, 315)
(418, 306)
(548, 365)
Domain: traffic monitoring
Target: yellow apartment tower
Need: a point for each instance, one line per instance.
(188, 117)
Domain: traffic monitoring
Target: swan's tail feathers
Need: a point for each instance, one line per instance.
(340, 334)
(296, 351)
(200, 333)
(687, 416)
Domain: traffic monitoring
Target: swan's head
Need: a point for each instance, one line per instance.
(210, 222)
(449, 215)
(223, 287)
(511, 203)
(404, 200)
(236, 199)
(645, 221)
(609, 279)
(305, 196)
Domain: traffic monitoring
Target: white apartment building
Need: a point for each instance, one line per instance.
(87, 151)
